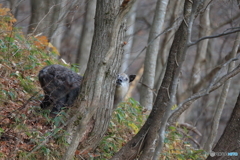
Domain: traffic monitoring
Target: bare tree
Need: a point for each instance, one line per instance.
(146, 94)
(95, 102)
(86, 36)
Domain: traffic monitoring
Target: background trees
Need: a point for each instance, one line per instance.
(187, 75)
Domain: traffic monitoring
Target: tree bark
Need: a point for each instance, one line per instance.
(48, 17)
(230, 139)
(147, 138)
(146, 92)
(128, 38)
(86, 36)
(93, 108)
(166, 45)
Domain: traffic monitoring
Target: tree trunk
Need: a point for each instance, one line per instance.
(166, 44)
(128, 38)
(13, 6)
(200, 60)
(95, 102)
(146, 92)
(230, 139)
(39, 22)
(59, 17)
(147, 138)
(86, 36)
(48, 18)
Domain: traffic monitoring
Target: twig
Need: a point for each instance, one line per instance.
(43, 18)
(152, 89)
(219, 71)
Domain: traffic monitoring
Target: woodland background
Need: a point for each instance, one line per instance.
(63, 29)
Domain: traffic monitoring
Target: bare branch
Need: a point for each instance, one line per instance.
(226, 22)
(186, 104)
(219, 71)
(235, 30)
(50, 9)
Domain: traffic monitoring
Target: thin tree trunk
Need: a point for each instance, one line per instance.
(93, 108)
(165, 47)
(59, 18)
(216, 119)
(38, 10)
(13, 6)
(47, 15)
(128, 38)
(146, 92)
(86, 36)
(229, 141)
(200, 60)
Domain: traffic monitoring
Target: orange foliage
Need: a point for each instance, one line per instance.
(6, 19)
(43, 43)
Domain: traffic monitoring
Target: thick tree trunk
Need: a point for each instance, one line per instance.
(147, 138)
(146, 92)
(95, 102)
(86, 36)
(230, 139)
